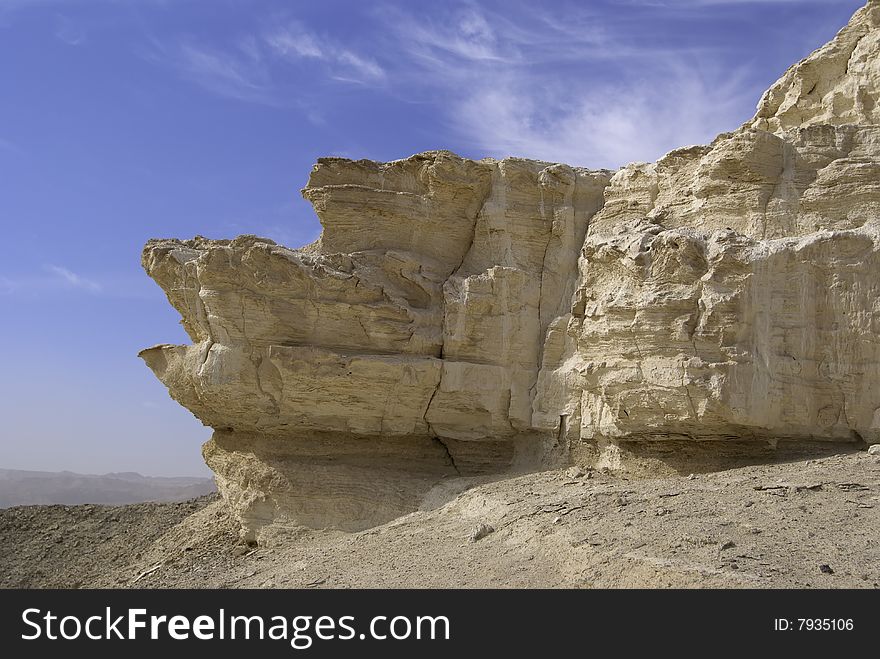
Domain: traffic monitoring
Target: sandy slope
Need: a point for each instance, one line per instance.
(758, 526)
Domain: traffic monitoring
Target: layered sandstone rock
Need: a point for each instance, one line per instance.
(464, 317)
(346, 378)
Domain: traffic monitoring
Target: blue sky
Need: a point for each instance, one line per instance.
(122, 120)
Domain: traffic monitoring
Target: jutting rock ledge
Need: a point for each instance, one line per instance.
(462, 317)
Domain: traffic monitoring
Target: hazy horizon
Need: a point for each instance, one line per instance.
(28, 488)
(125, 121)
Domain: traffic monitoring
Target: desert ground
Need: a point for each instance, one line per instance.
(804, 523)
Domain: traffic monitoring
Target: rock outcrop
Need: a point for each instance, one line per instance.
(462, 317)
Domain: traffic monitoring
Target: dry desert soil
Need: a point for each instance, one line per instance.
(807, 523)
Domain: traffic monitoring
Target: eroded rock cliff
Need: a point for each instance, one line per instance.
(462, 317)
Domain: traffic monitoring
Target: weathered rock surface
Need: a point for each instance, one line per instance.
(346, 378)
(462, 317)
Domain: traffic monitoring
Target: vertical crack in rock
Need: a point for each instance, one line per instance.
(428, 406)
(448, 453)
(565, 306)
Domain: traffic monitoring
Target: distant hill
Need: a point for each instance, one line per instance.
(20, 488)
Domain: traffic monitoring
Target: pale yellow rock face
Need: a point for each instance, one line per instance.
(346, 378)
(463, 317)
(836, 85)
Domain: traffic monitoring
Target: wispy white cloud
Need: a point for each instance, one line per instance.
(70, 279)
(54, 278)
(714, 3)
(224, 73)
(603, 126)
(69, 32)
(236, 73)
(57, 280)
(464, 34)
(293, 41)
(572, 82)
(365, 69)
(568, 88)
(256, 66)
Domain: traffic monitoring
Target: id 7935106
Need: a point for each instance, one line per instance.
(813, 624)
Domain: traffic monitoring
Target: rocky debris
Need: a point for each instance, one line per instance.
(464, 318)
(575, 472)
(72, 546)
(874, 449)
(481, 532)
(777, 542)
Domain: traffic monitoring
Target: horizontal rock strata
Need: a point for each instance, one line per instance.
(461, 317)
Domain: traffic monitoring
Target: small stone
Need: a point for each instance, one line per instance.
(239, 550)
(556, 520)
(826, 569)
(574, 472)
(692, 477)
(481, 532)
(728, 544)
(874, 449)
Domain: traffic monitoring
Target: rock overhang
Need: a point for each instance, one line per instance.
(461, 317)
